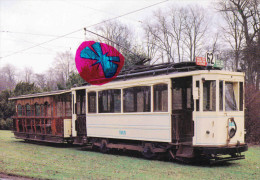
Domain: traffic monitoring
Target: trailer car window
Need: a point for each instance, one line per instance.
(19, 109)
(37, 110)
(42, 110)
(28, 110)
(160, 94)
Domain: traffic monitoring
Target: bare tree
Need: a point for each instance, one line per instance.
(122, 38)
(28, 74)
(177, 23)
(64, 65)
(40, 80)
(182, 31)
(161, 32)
(150, 43)
(247, 12)
(51, 82)
(195, 30)
(7, 77)
(116, 34)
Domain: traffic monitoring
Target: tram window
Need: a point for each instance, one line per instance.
(177, 99)
(37, 110)
(197, 100)
(230, 100)
(220, 95)
(80, 103)
(160, 94)
(241, 96)
(182, 94)
(209, 96)
(129, 105)
(92, 102)
(189, 100)
(19, 109)
(28, 110)
(109, 101)
(137, 99)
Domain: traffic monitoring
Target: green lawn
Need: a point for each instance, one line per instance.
(52, 162)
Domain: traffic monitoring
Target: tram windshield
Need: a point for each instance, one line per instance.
(209, 96)
(230, 100)
(230, 96)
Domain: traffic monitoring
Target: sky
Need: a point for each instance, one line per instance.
(43, 24)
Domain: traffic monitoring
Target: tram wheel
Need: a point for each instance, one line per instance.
(103, 146)
(148, 152)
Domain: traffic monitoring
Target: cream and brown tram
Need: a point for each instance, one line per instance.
(185, 110)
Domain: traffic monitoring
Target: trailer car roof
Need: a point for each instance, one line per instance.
(51, 93)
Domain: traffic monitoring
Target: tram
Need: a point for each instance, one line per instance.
(185, 110)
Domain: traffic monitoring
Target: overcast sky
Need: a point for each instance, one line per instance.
(27, 23)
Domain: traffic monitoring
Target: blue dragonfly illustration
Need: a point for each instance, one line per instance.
(107, 62)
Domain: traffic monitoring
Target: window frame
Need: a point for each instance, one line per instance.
(160, 98)
(147, 106)
(28, 110)
(110, 95)
(19, 110)
(235, 85)
(212, 102)
(95, 105)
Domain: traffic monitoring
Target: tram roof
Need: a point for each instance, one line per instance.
(136, 72)
(140, 71)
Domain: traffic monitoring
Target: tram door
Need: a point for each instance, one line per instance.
(80, 110)
(182, 107)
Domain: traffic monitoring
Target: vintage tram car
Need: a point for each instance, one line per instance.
(182, 109)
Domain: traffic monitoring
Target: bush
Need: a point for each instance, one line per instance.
(6, 124)
(9, 123)
(252, 114)
(2, 124)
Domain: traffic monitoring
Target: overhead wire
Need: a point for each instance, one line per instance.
(37, 34)
(64, 35)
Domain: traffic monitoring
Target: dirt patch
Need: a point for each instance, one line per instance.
(13, 177)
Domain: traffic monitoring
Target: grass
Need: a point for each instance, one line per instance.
(58, 162)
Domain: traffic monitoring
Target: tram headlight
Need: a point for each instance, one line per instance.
(232, 127)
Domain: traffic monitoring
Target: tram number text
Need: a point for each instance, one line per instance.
(121, 132)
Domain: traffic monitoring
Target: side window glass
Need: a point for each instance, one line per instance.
(28, 110)
(19, 109)
(209, 96)
(197, 100)
(241, 96)
(137, 99)
(230, 99)
(220, 95)
(160, 94)
(92, 102)
(37, 110)
(109, 101)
